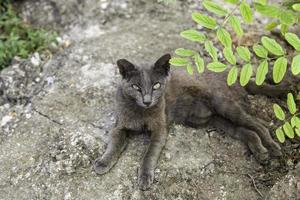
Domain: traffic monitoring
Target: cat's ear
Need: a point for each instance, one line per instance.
(126, 68)
(162, 65)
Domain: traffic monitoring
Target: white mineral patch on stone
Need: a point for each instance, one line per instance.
(6, 119)
(99, 75)
(92, 31)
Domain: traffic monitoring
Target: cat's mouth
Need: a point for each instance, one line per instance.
(145, 105)
(148, 105)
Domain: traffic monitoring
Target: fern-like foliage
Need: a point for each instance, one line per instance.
(267, 50)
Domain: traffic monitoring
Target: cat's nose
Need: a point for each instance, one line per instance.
(147, 103)
(147, 100)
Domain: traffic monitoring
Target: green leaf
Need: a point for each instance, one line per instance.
(232, 76)
(280, 135)
(211, 49)
(232, 1)
(190, 69)
(296, 65)
(216, 67)
(284, 28)
(279, 69)
(184, 52)
(199, 63)
(288, 130)
(272, 46)
(246, 74)
(295, 122)
(278, 112)
(262, 2)
(236, 25)
(296, 6)
(261, 72)
(297, 130)
(267, 10)
(246, 12)
(291, 103)
(204, 20)
(224, 37)
(293, 40)
(193, 35)
(260, 51)
(176, 61)
(243, 53)
(214, 7)
(271, 25)
(228, 54)
(286, 17)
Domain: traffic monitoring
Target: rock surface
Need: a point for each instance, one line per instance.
(56, 114)
(288, 187)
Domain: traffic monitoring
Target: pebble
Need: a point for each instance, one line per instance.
(53, 47)
(168, 156)
(37, 79)
(123, 6)
(35, 59)
(104, 5)
(59, 40)
(67, 43)
(68, 196)
(50, 80)
(28, 116)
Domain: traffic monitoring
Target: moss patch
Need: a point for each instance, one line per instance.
(18, 38)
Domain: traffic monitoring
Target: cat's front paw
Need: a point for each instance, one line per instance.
(275, 150)
(145, 179)
(101, 167)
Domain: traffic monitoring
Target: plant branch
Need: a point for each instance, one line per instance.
(230, 14)
(290, 117)
(254, 185)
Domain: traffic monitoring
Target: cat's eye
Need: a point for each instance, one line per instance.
(134, 86)
(156, 86)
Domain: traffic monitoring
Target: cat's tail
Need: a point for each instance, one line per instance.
(290, 83)
(279, 90)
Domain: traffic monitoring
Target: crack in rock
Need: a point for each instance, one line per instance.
(48, 117)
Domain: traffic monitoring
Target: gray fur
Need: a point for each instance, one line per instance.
(183, 99)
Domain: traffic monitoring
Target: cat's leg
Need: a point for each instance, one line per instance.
(146, 172)
(230, 110)
(250, 138)
(114, 148)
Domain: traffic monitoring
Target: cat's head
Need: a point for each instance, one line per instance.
(146, 84)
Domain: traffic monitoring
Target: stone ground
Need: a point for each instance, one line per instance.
(56, 113)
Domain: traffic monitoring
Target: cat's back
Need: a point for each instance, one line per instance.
(207, 83)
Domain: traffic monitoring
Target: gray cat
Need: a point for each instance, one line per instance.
(150, 98)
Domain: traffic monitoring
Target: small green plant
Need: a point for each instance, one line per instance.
(291, 125)
(18, 38)
(267, 50)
